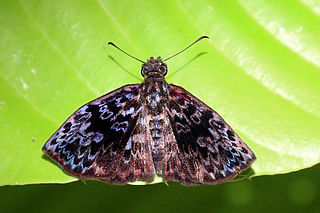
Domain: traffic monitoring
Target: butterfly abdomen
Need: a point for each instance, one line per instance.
(156, 95)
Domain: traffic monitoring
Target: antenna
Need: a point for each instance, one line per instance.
(202, 37)
(110, 43)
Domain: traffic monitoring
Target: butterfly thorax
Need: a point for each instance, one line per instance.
(154, 98)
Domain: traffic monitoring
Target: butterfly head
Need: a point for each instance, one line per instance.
(154, 67)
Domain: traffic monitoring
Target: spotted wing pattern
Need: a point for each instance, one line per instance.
(104, 140)
(201, 147)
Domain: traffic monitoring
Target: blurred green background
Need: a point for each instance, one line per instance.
(260, 70)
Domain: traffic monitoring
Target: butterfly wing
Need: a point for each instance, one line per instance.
(104, 140)
(203, 147)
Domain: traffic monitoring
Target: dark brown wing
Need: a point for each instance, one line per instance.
(202, 147)
(104, 139)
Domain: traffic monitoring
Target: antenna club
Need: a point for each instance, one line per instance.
(112, 44)
(202, 37)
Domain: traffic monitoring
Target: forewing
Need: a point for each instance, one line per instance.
(102, 140)
(202, 147)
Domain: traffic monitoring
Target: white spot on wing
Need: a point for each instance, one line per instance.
(212, 176)
(84, 126)
(98, 137)
(128, 112)
(223, 173)
(128, 96)
(128, 146)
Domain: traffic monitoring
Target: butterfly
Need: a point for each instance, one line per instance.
(142, 130)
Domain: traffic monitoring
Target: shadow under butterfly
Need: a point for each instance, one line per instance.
(141, 131)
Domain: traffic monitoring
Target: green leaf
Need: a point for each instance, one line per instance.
(260, 71)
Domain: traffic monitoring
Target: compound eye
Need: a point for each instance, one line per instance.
(163, 69)
(142, 71)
